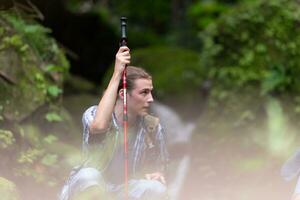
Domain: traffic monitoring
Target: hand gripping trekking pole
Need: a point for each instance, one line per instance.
(123, 42)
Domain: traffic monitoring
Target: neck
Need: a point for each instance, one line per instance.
(119, 114)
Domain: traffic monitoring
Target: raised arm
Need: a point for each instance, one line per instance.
(106, 105)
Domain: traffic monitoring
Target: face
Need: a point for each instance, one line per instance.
(140, 97)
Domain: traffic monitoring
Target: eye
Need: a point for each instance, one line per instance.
(145, 92)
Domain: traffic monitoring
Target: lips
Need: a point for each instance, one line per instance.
(145, 109)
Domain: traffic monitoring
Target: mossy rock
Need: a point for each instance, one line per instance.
(8, 190)
(32, 67)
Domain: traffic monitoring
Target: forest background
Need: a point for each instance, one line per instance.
(230, 67)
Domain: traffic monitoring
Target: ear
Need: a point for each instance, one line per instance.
(121, 93)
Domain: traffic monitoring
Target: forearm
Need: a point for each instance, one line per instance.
(156, 176)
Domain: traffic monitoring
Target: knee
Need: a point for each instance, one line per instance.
(151, 188)
(80, 181)
(88, 177)
(156, 187)
(296, 197)
(89, 174)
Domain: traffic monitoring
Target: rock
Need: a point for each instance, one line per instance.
(32, 67)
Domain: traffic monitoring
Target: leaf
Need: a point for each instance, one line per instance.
(6, 138)
(49, 159)
(14, 40)
(54, 68)
(1, 31)
(39, 77)
(53, 117)
(30, 155)
(272, 81)
(54, 91)
(50, 139)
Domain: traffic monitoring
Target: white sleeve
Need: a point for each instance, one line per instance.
(87, 117)
(291, 167)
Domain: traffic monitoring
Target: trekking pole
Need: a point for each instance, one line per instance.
(123, 42)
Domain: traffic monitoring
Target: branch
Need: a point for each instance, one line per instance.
(7, 78)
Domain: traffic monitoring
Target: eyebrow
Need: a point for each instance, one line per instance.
(146, 89)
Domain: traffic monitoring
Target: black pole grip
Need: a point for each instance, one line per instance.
(123, 41)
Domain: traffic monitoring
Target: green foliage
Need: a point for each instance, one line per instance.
(250, 53)
(180, 67)
(30, 156)
(32, 68)
(30, 32)
(49, 159)
(38, 160)
(50, 139)
(53, 117)
(54, 68)
(2, 31)
(14, 40)
(54, 91)
(6, 139)
(37, 36)
(32, 61)
(203, 13)
(8, 190)
(1, 110)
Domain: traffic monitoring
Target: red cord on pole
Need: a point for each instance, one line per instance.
(123, 42)
(125, 126)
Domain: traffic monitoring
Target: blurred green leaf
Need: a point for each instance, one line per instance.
(6, 138)
(49, 159)
(54, 91)
(50, 139)
(53, 117)
(8, 190)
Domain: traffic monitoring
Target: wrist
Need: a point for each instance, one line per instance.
(117, 74)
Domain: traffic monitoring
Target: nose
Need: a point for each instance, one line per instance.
(150, 98)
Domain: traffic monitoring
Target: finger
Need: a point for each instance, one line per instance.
(162, 179)
(123, 49)
(148, 176)
(156, 176)
(125, 61)
(126, 52)
(122, 56)
(127, 57)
